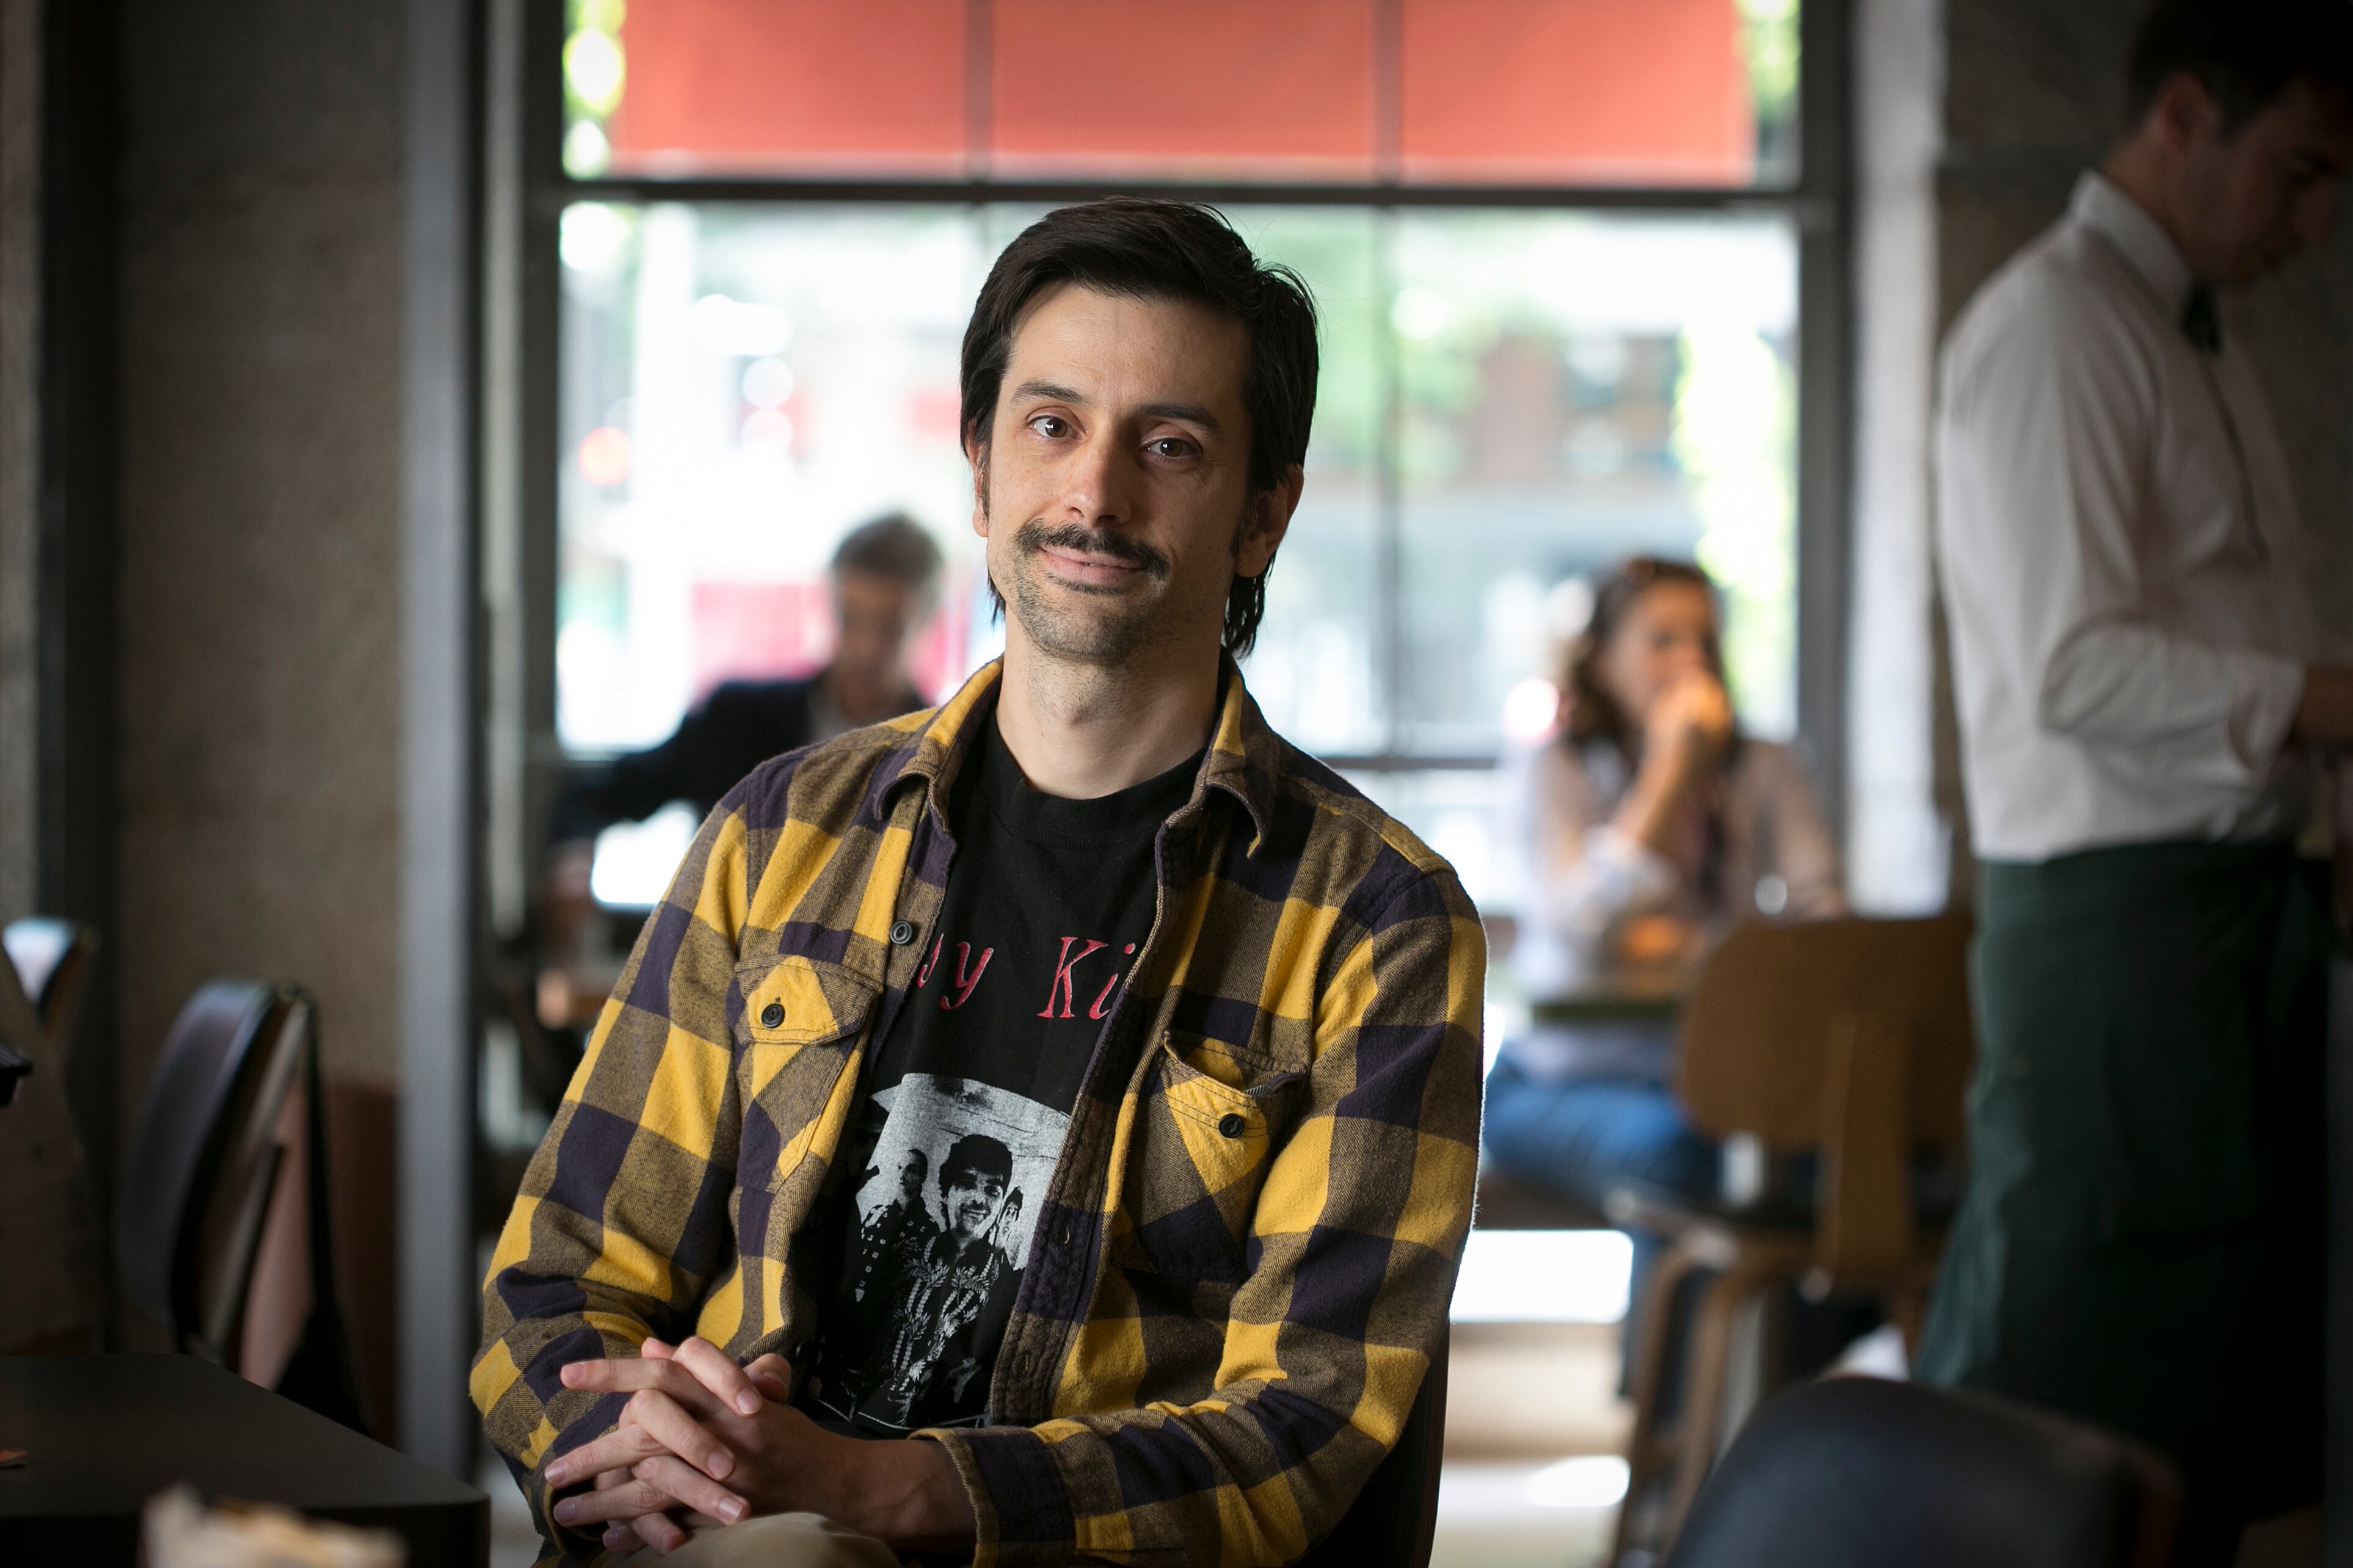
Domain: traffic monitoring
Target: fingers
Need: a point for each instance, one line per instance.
(632, 1500)
(717, 1371)
(663, 1419)
(692, 1487)
(661, 1532)
(773, 1376)
(619, 1450)
(628, 1374)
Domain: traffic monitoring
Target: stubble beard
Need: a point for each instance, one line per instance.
(1109, 628)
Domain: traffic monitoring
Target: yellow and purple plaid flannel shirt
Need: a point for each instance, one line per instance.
(1216, 1335)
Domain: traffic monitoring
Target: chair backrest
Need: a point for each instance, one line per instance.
(198, 1181)
(1861, 1473)
(52, 961)
(1394, 1520)
(1848, 1036)
(1762, 1032)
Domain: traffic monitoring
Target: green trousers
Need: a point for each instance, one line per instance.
(2141, 1243)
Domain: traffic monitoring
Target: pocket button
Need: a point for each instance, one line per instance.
(902, 932)
(771, 1016)
(1231, 1124)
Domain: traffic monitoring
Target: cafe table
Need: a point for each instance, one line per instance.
(102, 1434)
(1652, 993)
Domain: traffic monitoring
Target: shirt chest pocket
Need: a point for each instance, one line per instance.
(1197, 1161)
(796, 1036)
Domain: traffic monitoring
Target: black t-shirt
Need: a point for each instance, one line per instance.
(961, 1112)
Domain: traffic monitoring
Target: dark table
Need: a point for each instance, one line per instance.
(104, 1432)
(1621, 995)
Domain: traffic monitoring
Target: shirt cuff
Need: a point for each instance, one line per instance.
(2265, 689)
(1021, 1505)
(1636, 876)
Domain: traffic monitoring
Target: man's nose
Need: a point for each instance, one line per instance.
(1099, 483)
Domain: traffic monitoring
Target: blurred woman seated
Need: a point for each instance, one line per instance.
(1651, 826)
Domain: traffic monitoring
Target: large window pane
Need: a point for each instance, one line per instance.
(1577, 387)
(1659, 92)
(741, 385)
(1318, 669)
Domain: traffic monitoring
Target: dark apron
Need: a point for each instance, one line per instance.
(2141, 1243)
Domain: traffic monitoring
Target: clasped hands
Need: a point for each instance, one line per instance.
(701, 1441)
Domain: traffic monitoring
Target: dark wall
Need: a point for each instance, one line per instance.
(260, 220)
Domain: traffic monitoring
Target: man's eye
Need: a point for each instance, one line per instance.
(1170, 447)
(1050, 424)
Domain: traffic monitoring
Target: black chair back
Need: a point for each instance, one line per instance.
(197, 1179)
(1861, 1473)
(1393, 1520)
(235, 1096)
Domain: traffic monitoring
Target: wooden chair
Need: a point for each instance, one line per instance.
(1849, 1040)
(52, 960)
(221, 1222)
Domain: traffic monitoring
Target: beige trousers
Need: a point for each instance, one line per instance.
(772, 1541)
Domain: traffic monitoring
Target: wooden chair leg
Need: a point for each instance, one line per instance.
(1704, 1390)
(1654, 1318)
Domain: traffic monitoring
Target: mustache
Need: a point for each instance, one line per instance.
(1034, 536)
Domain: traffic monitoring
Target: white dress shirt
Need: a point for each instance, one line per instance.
(2117, 544)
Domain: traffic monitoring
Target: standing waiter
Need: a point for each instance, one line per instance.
(2140, 708)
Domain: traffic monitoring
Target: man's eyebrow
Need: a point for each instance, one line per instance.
(1191, 412)
(1055, 392)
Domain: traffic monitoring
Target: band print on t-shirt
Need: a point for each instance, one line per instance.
(1064, 986)
(943, 1215)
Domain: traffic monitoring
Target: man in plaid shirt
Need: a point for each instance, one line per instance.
(840, 1246)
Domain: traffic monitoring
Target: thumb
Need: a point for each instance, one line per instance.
(773, 1376)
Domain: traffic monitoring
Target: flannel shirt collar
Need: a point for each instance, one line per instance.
(1245, 757)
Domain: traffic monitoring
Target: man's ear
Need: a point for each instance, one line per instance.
(1266, 517)
(2185, 112)
(975, 453)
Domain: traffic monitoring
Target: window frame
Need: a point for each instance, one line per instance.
(1817, 207)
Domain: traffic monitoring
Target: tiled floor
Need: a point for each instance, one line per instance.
(1534, 1428)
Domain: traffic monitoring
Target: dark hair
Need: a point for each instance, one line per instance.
(1154, 249)
(1593, 714)
(893, 545)
(2244, 52)
(978, 1154)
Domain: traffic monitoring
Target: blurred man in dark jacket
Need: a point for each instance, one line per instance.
(886, 586)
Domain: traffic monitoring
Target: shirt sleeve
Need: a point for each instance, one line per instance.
(1588, 877)
(1355, 1238)
(2053, 430)
(621, 1222)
